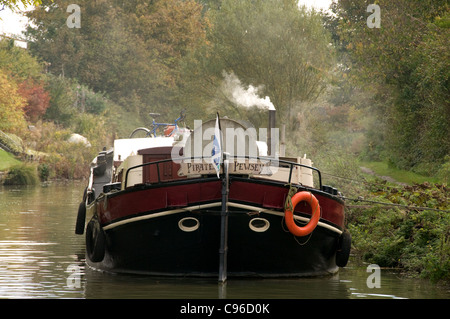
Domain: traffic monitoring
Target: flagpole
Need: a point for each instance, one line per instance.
(223, 249)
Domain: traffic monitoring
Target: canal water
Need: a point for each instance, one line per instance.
(41, 257)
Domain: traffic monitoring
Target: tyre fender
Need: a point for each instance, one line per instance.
(95, 241)
(343, 249)
(81, 219)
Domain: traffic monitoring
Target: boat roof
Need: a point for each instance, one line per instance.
(130, 146)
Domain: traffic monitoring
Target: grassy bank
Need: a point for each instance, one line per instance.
(21, 174)
(7, 160)
(403, 226)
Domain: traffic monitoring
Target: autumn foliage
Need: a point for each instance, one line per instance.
(11, 104)
(36, 97)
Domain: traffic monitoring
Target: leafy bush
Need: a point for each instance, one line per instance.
(69, 160)
(44, 171)
(37, 99)
(416, 240)
(444, 171)
(62, 99)
(21, 174)
(89, 101)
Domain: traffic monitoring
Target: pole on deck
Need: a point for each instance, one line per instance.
(223, 250)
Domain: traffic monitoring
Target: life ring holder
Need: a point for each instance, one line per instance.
(301, 231)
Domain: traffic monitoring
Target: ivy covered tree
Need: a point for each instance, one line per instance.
(404, 64)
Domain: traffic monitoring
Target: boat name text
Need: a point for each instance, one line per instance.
(234, 168)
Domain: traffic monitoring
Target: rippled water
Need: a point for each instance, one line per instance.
(41, 257)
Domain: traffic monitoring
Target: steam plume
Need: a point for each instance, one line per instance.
(236, 93)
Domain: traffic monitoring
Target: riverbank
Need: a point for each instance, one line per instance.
(403, 226)
(7, 160)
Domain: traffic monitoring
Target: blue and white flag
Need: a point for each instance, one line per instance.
(216, 153)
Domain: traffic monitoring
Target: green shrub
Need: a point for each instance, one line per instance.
(44, 172)
(415, 240)
(444, 171)
(22, 174)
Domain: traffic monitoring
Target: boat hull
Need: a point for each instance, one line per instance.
(174, 230)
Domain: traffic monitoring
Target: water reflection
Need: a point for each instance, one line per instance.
(349, 284)
(36, 244)
(130, 286)
(41, 257)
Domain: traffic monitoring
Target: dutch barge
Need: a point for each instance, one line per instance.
(152, 208)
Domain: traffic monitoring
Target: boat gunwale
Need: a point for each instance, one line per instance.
(144, 187)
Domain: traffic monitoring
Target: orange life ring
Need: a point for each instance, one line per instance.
(289, 215)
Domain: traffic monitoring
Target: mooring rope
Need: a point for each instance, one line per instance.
(288, 203)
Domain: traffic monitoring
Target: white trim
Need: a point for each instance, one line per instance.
(199, 207)
(169, 212)
(269, 211)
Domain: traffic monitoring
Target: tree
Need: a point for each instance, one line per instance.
(36, 97)
(405, 62)
(15, 4)
(19, 62)
(62, 99)
(11, 105)
(270, 44)
(126, 49)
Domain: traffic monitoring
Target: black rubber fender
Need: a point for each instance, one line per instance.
(81, 219)
(343, 250)
(95, 241)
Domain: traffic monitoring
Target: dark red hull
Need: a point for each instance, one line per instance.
(255, 192)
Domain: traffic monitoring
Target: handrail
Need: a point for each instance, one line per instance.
(262, 158)
(9, 144)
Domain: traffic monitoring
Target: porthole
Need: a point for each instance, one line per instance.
(259, 225)
(188, 224)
